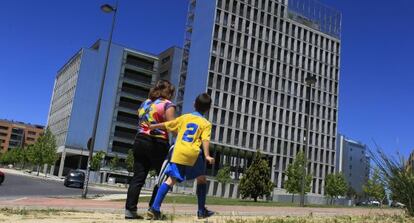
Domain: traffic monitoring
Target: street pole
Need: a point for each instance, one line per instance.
(310, 80)
(91, 142)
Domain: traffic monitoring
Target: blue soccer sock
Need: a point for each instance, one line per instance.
(162, 192)
(201, 196)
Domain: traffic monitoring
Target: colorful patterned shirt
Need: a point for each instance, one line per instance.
(153, 112)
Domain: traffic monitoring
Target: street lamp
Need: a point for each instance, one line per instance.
(310, 80)
(108, 8)
(91, 142)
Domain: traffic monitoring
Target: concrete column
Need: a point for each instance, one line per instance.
(104, 174)
(80, 161)
(62, 163)
(52, 170)
(210, 188)
(219, 190)
(272, 178)
(279, 181)
(235, 190)
(273, 169)
(227, 191)
(45, 169)
(236, 174)
(195, 186)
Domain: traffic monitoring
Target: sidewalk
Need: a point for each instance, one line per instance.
(116, 207)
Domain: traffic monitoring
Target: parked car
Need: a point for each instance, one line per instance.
(361, 203)
(374, 203)
(1, 177)
(396, 204)
(75, 178)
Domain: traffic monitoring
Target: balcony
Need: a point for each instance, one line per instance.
(137, 76)
(139, 91)
(140, 62)
(127, 118)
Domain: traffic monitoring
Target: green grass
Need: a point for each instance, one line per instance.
(339, 219)
(24, 211)
(188, 199)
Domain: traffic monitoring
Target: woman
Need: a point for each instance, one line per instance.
(151, 146)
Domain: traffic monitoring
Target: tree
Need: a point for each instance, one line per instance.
(5, 158)
(33, 155)
(96, 162)
(49, 148)
(24, 156)
(152, 173)
(223, 175)
(18, 155)
(375, 187)
(114, 163)
(130, 161)
(335, 185)
(1, 157)
(43, 151)
(351, 193)
(256, 181)
(11, 156)
(294, 173)
(36, 157)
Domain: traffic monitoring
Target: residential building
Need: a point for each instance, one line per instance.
(14, 134)
(252, 57)
(353, 162)
(129, 76)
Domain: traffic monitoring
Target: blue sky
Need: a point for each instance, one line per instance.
(377, 74)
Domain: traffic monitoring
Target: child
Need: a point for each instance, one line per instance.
(188, 161)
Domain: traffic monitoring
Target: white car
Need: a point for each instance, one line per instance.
(376, 203)
(397, 205)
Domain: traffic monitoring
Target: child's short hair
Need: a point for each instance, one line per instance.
(202, 103)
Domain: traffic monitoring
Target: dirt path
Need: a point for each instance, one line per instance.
(78, 210)
(52, 216)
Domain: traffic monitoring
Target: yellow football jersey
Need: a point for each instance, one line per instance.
(191, 130)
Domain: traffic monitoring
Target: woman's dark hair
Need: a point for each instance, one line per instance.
(202, 103)
(162, 89)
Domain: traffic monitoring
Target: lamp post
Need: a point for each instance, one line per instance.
(91, 142)
(310, 80)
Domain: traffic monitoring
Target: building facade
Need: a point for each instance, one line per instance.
(130, 75)
(252, 57)
(18, 134)
(353, 162)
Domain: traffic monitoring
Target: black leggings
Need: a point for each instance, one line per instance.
(149, 153)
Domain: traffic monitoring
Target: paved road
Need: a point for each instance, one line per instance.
(17, 186)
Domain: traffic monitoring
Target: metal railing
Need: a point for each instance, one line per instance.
(316, 15)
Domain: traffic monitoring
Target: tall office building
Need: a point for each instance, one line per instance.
(129, 77)
(353, 162)
(252, 57)
(15, 134)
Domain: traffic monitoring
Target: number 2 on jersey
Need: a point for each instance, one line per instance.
(188, 135)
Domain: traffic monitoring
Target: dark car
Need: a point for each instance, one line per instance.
(75, 178)
(1, 177)
(362, 203)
